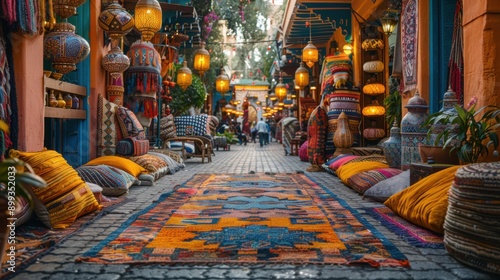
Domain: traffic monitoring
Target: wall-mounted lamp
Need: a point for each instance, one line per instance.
(348, 49)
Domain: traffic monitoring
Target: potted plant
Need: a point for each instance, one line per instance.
(13, 182)
(469, 133)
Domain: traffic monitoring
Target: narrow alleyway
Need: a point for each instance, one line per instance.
(60, 264)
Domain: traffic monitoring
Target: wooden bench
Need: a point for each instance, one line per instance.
(202, 147)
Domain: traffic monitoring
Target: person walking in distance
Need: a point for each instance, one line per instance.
(262, 130)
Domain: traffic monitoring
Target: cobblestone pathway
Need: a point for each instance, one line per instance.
(59, 263)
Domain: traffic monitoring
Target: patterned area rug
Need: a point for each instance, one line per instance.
(411, 233)
(33, 239)
(254, 218)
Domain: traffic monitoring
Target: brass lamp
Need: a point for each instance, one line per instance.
(184, 76)
(280, 90)
(148, 18)
(201, 59)
(389, 20)
(222, 83)
(302, 76)
(310, 53)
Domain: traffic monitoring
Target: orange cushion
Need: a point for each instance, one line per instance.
(124, 164)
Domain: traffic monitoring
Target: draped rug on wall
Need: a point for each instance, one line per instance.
(409, 41)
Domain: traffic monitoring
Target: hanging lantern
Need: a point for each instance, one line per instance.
(373, 109)
(310, 54)
(280, 91)
(65, 48)
(116, 21)
(66, 8)
(184, 76)
(201, 59)
(302, 76)
(389, 20)
(115, 60)
(143, 75)
(374, 89)
(347, 48)
(148, 18)
(222, 83)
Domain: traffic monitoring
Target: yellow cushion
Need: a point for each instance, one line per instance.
(119, 162)
(66, 196)
(352, 168)
(425, 202)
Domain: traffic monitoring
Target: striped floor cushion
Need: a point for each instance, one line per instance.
(113, 181)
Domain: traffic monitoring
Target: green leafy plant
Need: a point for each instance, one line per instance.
(14, 179)
(392, 103)
(229, 137)
(470, 133)
(193, 96)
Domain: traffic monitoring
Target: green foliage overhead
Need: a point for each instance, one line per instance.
(193, 96)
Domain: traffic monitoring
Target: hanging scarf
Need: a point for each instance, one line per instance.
(9, 11)
(456, 62)
(28, 11)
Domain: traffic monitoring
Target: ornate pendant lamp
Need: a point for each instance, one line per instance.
(201, 59)
(373, 109)
(302, 76)
(310, 52)
(222, 83)
(116, 21)
(389, 20)
(280, 90)
(148, 18)
(67, 8)
(184, 76)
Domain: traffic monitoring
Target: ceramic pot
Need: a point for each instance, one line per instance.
(67, 8)
(69, 101)
(75, 102)
(413, 133)
(392, 147)
(60, 101)
(115, 60)
(52, 99)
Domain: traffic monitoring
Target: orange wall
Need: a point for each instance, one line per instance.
(481, 21)
(28, 70)
(97, 74)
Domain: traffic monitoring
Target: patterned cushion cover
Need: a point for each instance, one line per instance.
(119, 162)
(316, 133)
(338, 161)
(176, 146)
(352, 168)
(113, 181)
(192, 125)
(154, 165)
(130, 146)
(213, 123)
(129, 124)
(384, 189)
(167, 127)
(365, 180)
(173, 166)
(108, 130)
(66, 196)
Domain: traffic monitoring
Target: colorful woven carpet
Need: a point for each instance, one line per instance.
(258, 218)
(411, 233)
(33, 239)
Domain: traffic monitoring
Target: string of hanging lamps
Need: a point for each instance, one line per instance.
(310, 52)
(280, 90)
(302, 76)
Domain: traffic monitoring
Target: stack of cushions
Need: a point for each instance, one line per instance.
(134, 142)
(425, 202)
(472, 227)
(122, 163)
(66, 196)
(382, 190)
(108, 129)
(333, 164)
(173, 165)
(113, 181)
(192, 125)
(347, 170)
(347, 101)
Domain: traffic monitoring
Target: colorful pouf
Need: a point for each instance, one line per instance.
(472, 222)
(347, 101)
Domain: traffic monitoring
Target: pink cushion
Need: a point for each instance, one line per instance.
(303, 152)
(338, 163)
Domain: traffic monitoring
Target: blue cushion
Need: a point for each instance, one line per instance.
(177, 145)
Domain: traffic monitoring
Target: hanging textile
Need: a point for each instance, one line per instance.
(22, 15)
(8, 108)
(456, 62)
(409, 43)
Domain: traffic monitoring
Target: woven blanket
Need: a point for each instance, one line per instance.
(251, 218)
(411, 233)
(409, 42)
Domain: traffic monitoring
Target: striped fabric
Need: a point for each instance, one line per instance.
(113, 181)
(316, 132)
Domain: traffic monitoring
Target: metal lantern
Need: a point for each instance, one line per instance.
(310, 54)
(280, 90)
(302, 76)
(373, 109)
(66, 8)
(222, 83)
(148, 18)
(374, 89)
(201, 59)
(184, 76)
(389, 21)
(116, 21)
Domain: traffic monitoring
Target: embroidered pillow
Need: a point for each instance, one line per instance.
(129, 124)
(113, 181)
(167, 127)
(108, 130)
(365, 180)
(154, 165)
(192, 125)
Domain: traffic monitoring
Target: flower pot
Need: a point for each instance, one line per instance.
(438, 154)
